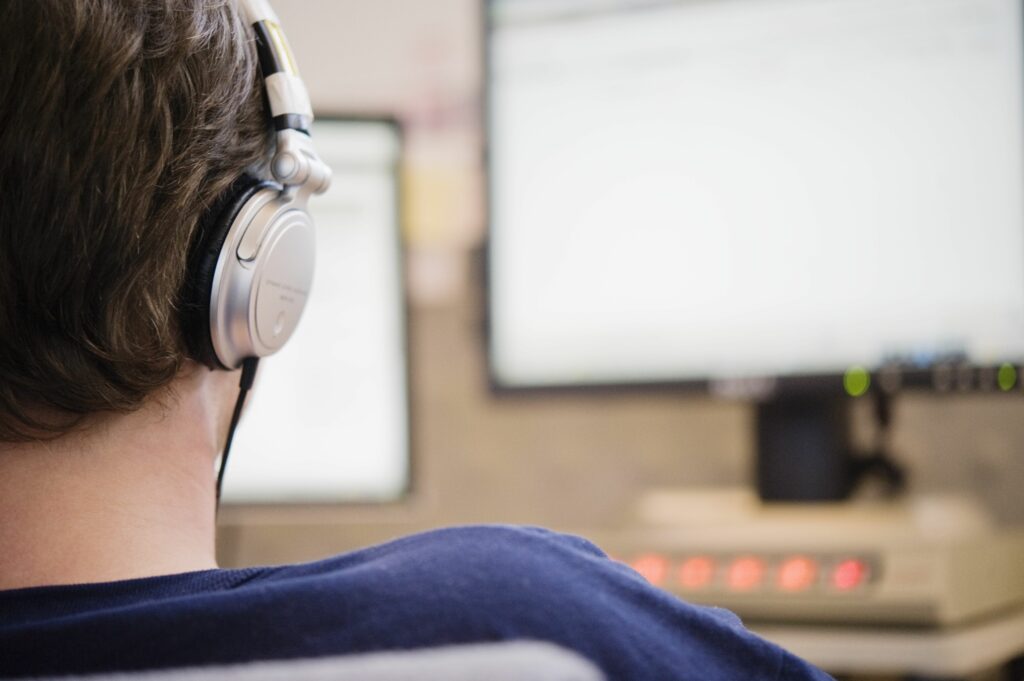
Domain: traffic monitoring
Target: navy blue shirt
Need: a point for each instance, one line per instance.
(449, 586)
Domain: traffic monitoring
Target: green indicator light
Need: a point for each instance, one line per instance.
(856, 381)
(1007, 377)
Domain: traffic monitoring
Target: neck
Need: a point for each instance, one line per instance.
(132, 496)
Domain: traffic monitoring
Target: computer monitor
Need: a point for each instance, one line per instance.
(758, 198)
(328, 418)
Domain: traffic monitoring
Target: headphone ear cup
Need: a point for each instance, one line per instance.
(197, 294)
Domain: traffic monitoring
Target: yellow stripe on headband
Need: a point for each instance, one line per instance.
(281, 49)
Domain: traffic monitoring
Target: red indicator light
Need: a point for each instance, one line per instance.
(652, 567)
(797, 574)
(849, 574)
(696, 573)
(746, 573)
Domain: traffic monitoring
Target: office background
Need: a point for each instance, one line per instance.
(564, 461)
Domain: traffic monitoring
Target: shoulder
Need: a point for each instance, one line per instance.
(488, 563)
(461, 549)
(503, 582)
(504, 546)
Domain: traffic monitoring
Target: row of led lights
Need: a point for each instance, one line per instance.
(749, 573)
(946, 377)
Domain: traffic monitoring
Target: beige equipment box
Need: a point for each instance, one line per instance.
(927, 561)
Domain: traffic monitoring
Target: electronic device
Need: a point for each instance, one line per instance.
(926, 561)
(789, 201)
(328, 418)
(764, 190)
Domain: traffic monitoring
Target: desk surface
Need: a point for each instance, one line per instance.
(955, 651)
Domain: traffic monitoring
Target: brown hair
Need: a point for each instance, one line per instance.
(121, 122)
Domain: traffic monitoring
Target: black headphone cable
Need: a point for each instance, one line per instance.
(249, 365)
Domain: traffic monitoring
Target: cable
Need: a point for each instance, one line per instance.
(879, 462)
(249, 365)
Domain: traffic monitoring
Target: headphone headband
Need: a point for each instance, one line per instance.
(295, 162)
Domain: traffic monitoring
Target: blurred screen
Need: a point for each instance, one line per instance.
(328, 416)
(743, 188)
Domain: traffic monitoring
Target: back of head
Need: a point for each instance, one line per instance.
(121, 123)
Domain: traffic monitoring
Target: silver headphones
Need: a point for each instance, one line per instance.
(251, 267)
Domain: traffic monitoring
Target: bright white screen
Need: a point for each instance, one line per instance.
(729, 188)
(328, 419)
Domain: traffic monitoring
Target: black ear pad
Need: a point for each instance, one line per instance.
(197, 291)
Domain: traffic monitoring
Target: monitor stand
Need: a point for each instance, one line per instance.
(803, 449)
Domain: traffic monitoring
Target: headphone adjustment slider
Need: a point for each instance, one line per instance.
(297, 164)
